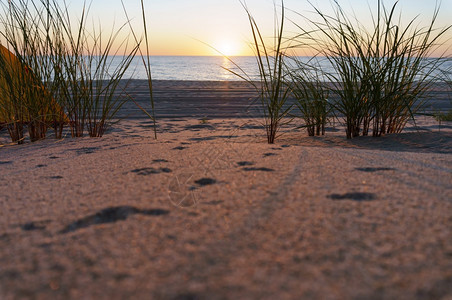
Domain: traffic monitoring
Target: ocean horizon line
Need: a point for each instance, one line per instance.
(205, 68)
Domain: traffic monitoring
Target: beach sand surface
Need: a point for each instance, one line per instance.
(209, 210)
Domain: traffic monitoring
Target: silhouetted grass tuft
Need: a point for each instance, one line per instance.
(61, 72)
(381, 75)
(272, 88)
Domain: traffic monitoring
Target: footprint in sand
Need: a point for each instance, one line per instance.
(245, 163)
(111, 215)
(371, 170)
(269, 154)
(179, 148)
(356, 196)
(160, 160)
(150, 171)
(205, 181)
(36, 225)
(263, 169)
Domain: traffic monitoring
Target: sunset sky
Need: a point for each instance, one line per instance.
(181, 27)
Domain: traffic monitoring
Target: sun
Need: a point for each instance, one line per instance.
(228, 48)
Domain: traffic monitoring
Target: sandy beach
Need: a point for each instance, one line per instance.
(209, 210)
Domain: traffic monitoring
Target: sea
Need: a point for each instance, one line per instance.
(213, 68)
(197, 68)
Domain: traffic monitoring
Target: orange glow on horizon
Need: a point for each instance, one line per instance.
(209, 28)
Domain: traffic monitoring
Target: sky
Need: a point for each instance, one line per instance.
(204, 27)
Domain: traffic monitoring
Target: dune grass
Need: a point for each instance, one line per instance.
(444, 116)
(68, 76)
(145, 58)
(380, 80)
(26, 28)
(272, 88)
(310, 93)
(90, 81)
(446, 76)
(380, 75)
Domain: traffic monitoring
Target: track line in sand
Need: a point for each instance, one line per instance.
(243, 235)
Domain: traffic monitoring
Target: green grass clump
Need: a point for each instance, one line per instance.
(27, 95)
(380, 75)
(272, 88)
(444, 117)
(68, 79)
(311, 95)
(89, 82)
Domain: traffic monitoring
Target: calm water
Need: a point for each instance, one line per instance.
(203, 68)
